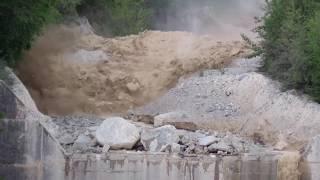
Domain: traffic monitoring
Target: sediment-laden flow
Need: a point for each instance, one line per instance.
(71, 70)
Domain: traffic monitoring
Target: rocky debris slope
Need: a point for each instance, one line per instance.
(240, 100)
(97, 136)
(85, 73)
(234, 99)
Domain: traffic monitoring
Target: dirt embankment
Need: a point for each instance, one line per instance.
(71, 70)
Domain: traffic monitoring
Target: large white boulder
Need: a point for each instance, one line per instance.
(118, 133)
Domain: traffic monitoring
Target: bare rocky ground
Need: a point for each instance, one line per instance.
(240, 100)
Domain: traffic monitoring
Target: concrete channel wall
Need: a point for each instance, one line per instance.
(29, 152)
(146, 166)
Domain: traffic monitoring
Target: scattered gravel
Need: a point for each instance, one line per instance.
(204, 95)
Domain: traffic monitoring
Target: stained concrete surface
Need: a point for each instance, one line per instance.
(147, 166)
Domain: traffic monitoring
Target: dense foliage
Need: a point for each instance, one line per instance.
(1, 115)
(20, 21)
(290, 46)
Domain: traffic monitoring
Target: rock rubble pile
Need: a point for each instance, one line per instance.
(95, 135)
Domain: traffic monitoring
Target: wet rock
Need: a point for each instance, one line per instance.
(92, 128)
(175, 148)
(118, 133)
(208, 140)
(190, 149)
(205, 150)
(133, 86)
(161, 119)
(228, 92)
(166, 148)
(139, 146)
(221, 146)
(106, 148)
(83, 143)
(148, 119)
(210, 109)
(66, 139)
(191, 137)
(203, 132)
(177, 119)
(235, 142)
(184, 125)
(199, 150)
(281, 144)
(155, 139)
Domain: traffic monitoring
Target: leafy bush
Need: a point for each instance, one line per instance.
(290, 46)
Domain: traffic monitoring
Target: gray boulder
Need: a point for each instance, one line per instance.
(66, 139)
(157, 139)
(191, 137)
(208, 140)
(105, 148)
(180, 120)
(221, 146)
(83, 143)
(238, 144)
(190, 148)
(118, 133)
(171, 116)
(175, 148)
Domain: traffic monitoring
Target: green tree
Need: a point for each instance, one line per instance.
(290, 46)
(313, 37)
(20, 22)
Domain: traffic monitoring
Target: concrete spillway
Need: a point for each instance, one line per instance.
(29, 151)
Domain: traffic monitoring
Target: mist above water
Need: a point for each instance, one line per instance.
(225, 19)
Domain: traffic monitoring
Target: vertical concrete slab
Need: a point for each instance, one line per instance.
(28, 151)
(310, 166)
(258, 167)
